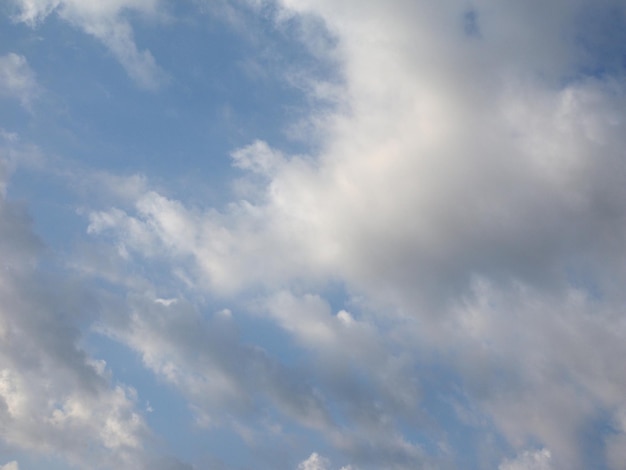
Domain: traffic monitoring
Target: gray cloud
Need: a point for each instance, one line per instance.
(54, 398)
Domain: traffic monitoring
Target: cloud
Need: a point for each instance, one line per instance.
(314, 462)
(17, 79)
(54, 398)
(317, 462)
(107, 22)
(176, 342)
(538, 460)
(10, 466)
(466, 196)
(542, 355)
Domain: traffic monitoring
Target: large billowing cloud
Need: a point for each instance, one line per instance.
(466, 202)
(469, 192)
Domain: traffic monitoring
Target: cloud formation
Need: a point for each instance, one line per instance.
(436, 284)
(470, 192)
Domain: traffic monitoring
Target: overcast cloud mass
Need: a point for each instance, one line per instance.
(312, 234)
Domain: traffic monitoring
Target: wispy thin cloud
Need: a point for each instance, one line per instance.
(107, 22)
(18, 80)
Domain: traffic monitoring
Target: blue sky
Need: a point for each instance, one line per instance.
(312, 234)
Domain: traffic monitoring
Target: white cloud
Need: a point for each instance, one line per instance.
(258, 157)
(17, 79)
(314, 462)
(429, 184)
(529, 460)
(205, 359)
(10, 466)
(54, 398)
(107, 22)
(537, 370)
(317, 462)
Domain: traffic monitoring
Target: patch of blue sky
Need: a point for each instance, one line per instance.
(442, 426)
(224, 91)
(593, 439)
(582, 279)
(600, 37)
(54, 219)
(288, 443)
(471, 25)
(256, 330)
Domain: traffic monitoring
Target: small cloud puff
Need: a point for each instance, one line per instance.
(314, 462)
(17, 79)
(257, 157)
(317, 462)
(529, 460)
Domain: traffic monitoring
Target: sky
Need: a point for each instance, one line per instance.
(312, 234)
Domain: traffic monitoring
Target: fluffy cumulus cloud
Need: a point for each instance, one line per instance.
(465, 201)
